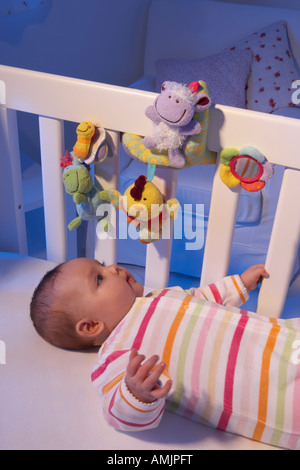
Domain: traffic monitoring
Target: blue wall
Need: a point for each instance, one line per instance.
(101, 40)
(98, 40)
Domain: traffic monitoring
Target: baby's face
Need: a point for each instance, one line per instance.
(104, 293)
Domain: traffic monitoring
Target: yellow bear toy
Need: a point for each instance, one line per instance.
(145, 207)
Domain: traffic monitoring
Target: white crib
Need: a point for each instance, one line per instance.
(47, 420)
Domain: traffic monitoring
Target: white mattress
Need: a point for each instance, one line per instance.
(47, 399)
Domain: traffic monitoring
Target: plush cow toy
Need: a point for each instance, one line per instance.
(172, 115)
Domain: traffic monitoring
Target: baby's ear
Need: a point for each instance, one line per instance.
(89, 328)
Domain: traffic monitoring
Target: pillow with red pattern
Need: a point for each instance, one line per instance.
(226, 75)
(273, 68)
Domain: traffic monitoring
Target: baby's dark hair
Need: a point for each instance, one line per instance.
(52, 322)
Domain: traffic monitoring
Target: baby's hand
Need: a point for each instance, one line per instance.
(142, 380)
(253, 276)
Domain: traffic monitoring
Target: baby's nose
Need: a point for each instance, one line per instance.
(113, 269)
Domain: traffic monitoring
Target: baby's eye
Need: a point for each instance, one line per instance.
(99, 279)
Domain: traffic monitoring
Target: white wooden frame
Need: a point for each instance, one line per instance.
(56, 99)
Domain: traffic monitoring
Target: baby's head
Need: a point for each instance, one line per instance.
(80, 302)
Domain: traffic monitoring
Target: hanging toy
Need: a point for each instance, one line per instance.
(85, 132)
(91, 144)
(145, 207)
(172, 115)
(79, 184)
(247, 167)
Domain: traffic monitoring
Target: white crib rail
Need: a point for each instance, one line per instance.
(56, 99)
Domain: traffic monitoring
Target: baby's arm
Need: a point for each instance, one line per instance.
(120, 380)
(232, 290)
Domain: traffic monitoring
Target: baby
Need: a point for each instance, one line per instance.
(79, 303)
(215, 358)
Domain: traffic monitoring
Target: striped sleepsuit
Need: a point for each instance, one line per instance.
(231, 369)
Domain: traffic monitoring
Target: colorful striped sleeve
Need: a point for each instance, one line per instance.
(228, 291)
(121, 409)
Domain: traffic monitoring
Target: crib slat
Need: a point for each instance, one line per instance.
(52, 149)
(13, 228)
(107, 175)
(159, 253)
(220, 230)
(283, 247)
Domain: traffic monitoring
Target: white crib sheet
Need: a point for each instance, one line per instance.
(47, 399)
